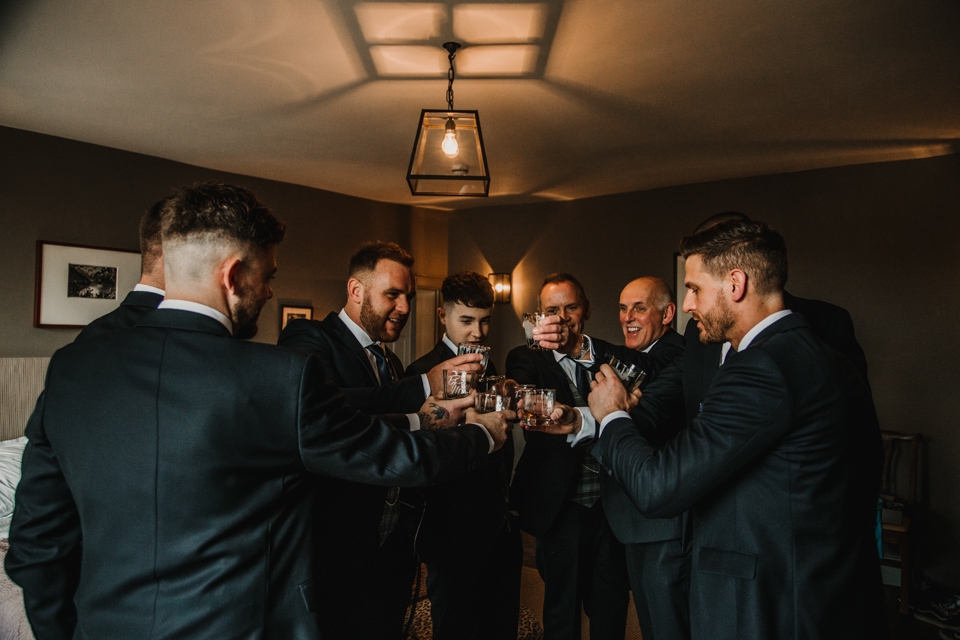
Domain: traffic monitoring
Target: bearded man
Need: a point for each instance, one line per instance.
(364, 533)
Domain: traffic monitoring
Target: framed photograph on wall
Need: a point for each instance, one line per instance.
(679, 274)
(294, 313)
(77, 284)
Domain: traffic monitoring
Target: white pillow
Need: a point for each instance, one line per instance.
(11, 453)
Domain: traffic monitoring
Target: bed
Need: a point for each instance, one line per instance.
(21, 380)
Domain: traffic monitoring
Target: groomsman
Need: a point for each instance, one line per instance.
(164, 490)
(364, 533)
(472, 548)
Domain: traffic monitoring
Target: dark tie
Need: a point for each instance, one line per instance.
(384, 369)
(391, 507)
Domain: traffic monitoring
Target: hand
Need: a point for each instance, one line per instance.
(608, 394)
(466, 362)
(496, 422)
(442, 414)
(552, 333)
(566, 420)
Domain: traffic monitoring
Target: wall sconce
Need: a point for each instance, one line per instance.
(501, 286)
(448, 157)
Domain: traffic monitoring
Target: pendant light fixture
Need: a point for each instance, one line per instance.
(448, 157)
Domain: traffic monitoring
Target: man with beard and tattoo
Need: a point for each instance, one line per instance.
(365, 534)
(778, 466)
(165, 487)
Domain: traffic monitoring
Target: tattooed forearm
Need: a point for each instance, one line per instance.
(434, 417)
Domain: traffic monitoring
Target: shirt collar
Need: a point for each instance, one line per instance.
(754, 332)
(357, 331)
(196, 307)
(145, 287)
(447, 341)
(650, 346)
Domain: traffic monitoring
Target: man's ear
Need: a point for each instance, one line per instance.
(442, 315)
(669, 313)
(737, 281)
(231, 274)
(355, 290)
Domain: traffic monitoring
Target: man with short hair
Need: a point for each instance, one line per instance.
(778, 466)
(365, 533)
(148, 292)
(472, 548)
(164, 490)
(646, 312)
(556, 488)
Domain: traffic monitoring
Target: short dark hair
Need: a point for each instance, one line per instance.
(560, 277)
(151, 246)
(370, 253)
(224, 210)
(469, 288)
(717, 218)
(748, 245)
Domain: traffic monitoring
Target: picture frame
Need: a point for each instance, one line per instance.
(680, 318)
(288, 313)
(76, 284)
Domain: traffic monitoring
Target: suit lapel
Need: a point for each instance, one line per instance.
(349, 344)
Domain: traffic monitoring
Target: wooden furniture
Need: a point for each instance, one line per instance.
(898, 490)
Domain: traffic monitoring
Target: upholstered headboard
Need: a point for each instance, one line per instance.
(21, 381)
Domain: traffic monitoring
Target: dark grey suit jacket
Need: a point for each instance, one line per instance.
(182, 455)
(777, 472)
(131, 311)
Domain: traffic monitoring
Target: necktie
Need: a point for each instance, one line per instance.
(384, 370)
(586, 490)
(391, 506)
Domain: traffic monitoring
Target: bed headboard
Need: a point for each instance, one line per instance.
(21, 381)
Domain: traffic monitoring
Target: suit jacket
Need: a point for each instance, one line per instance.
(349, 512)
(131, 311)
(469, 511)
(776, 471)
(628, 524)
(545, 471)
(181, 454)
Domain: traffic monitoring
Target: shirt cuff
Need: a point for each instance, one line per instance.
(611, 417)
(426, 386)
(414, 419)
(489, 437)
(588, 428)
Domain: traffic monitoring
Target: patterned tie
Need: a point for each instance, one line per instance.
(391, 507)
(586, 490)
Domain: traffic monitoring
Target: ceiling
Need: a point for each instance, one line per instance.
(577, 98)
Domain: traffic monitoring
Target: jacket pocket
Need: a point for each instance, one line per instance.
(727, 563)
(310, 595)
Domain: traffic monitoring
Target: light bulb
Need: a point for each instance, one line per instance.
(449, 145)
(499, 287)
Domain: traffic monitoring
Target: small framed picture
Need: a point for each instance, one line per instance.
(294, 313)
(77, 284)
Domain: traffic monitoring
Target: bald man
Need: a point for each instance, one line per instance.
(646, 312)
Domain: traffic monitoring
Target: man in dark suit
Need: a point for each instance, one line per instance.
(472, 549)
(147, 293)
(556, 488)
(777, 467)
(365, 533)
(178, 452)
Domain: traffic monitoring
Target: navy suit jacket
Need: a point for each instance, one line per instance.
(181, 454)
(131, 311)
(778, 473)
(468, 511)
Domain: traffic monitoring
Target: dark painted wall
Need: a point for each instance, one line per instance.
(65, 191)
(878, 239)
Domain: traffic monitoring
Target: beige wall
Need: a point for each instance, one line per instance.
(877, 239)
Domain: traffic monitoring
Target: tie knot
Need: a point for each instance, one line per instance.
(377, 350)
